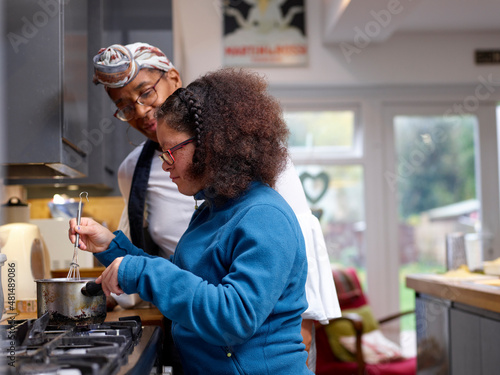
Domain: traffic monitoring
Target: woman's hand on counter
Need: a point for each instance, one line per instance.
(94, 237)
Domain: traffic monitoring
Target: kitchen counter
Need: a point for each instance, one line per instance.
(149, 316)
(458, 323)
(475, 290)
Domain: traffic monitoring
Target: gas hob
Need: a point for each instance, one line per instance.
(111, 348)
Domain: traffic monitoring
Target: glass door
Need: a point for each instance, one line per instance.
(435, 185)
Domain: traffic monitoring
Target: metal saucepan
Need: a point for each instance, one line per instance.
(71, 302)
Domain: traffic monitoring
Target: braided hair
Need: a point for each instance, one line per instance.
(182, 111)
(194, 111)
(240, 133)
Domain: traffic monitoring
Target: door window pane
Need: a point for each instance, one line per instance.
(436, 188)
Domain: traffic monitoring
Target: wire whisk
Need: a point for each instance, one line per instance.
(74, 267)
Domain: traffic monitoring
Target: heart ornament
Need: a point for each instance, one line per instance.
(315, 187)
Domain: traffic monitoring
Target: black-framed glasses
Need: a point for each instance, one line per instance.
(168, 157)
(148, 97)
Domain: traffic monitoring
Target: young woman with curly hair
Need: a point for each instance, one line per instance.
(240, 134)
(234, 288)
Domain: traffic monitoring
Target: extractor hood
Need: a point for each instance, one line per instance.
(46, 90)
(38, 171)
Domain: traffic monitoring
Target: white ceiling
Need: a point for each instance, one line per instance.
(383, 18)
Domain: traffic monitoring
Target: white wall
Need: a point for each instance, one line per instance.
(403, 59)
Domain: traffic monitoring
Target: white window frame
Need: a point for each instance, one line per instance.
(325, 154)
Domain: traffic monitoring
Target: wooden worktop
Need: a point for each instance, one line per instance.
(149, 316)
(473, 290)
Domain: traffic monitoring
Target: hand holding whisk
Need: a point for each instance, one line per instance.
(74, 267)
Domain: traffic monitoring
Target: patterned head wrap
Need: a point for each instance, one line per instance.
(118, 65)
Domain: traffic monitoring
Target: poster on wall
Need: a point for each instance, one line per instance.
(264, 33)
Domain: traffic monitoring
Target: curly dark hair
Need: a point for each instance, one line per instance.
(240, 132)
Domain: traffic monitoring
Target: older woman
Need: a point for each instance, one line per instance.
(235, 287)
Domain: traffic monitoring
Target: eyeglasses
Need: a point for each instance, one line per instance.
(148, 97)
(167, 156)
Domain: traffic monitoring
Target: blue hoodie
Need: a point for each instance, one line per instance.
(234, 288)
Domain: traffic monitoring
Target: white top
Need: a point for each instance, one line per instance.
(320, 289)
(169, 212)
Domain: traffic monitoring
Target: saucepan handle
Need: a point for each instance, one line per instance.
(92, 289)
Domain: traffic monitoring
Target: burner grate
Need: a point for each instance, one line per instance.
(95, 349)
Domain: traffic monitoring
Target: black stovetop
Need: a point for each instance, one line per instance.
(121, 347)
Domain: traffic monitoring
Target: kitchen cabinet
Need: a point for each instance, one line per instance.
(46, 88)
(475, 335)
(465, 342)
(490, 333)
(432, 316)
(458, 321)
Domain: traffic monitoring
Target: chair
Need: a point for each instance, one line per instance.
(351, 297)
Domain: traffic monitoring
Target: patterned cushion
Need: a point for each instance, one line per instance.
(336, 330)
(375, 346)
